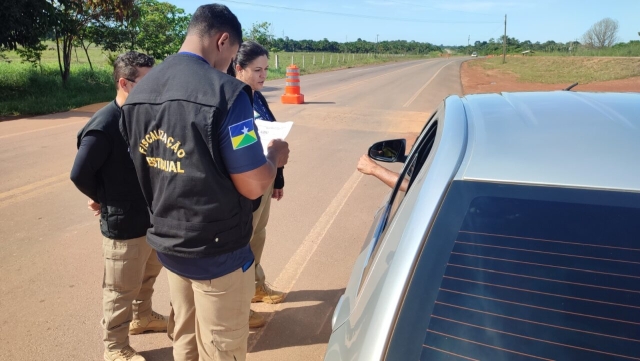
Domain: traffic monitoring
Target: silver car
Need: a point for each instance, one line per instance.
(513, 233)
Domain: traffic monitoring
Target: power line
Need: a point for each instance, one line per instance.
(362, 16)
(443, 9)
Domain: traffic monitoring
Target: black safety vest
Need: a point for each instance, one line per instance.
(123, 210)
(171, 122)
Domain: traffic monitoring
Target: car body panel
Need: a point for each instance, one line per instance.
(393, 262)
(555, 138)
(550, 139)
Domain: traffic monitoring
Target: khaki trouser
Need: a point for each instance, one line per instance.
(209, 319)
(260, 219)
(130, 270)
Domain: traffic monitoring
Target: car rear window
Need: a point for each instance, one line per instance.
(530, 273)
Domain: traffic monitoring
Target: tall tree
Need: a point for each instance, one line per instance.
(69, 18)
(24, 23)
(119, 9)
(602, 34)
(261, 33)
(162, 28)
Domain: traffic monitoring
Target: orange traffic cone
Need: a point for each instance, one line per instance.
(292, 87)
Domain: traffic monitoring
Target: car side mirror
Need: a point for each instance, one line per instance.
(389, 151)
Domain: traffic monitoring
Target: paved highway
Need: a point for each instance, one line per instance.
(51, 262)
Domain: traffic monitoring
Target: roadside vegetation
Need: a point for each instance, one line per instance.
(27, 89)
(563, 70)
(57, 55)
(601, 39)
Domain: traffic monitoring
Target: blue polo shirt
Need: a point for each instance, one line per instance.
(238, 158)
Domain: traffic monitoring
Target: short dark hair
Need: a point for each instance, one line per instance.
(248, 52)
(215, 18)
(126, 65)
(231, 70)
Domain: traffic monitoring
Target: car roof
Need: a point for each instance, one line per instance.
(560, 138)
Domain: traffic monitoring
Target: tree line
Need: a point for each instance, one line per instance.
(152, 26)
(600, 36)
(261, 32)
(158, 28)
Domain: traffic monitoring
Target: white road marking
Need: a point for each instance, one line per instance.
(424, 86)
(32, 190)
(290, 274)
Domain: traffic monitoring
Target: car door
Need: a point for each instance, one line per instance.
(366, 310)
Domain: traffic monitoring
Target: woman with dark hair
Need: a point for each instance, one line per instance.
(251, 65)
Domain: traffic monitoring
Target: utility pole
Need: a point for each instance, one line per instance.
(377, 44)
(504, 41)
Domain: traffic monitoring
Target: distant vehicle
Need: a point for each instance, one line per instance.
(516, 237)
(474, 54)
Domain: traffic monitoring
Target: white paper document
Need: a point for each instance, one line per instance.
(269, 131)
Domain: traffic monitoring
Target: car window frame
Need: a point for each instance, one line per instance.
(422, 143)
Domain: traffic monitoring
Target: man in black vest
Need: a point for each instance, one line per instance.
(200, 164)
(103, 171)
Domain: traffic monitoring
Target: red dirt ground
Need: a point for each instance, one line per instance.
(477, 80)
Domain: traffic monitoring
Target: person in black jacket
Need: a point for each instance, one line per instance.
(200, 164)
(104, 172)
(251, 65)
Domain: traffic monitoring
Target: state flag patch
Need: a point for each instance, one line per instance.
(243, 134)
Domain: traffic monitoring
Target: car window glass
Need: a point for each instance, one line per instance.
(413, 165)
(528, 273)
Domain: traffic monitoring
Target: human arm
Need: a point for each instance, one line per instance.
(278, 185)
(261, 106)
(92, 153)
(277, 194)
(367, 166)
(93, 206)
(251, 172)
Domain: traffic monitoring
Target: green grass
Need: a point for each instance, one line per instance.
(78, 57)
(25, 90)
(632, 49)
(563, 70)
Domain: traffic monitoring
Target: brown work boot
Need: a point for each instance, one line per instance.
(267, 295)
(154, 323)
(126, 354)
(255, 320)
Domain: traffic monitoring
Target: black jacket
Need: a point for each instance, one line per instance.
(123, 210)
(171, 122)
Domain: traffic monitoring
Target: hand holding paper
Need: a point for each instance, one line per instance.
(269, 131)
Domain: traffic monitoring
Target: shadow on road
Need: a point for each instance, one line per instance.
(161, 354)
(319, 102)
(300, 325)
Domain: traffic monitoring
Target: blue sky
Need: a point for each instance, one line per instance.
(448, 22)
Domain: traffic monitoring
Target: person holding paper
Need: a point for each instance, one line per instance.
(250, 66)
(200, 163)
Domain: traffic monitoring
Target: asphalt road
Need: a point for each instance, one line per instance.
(50, 258)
